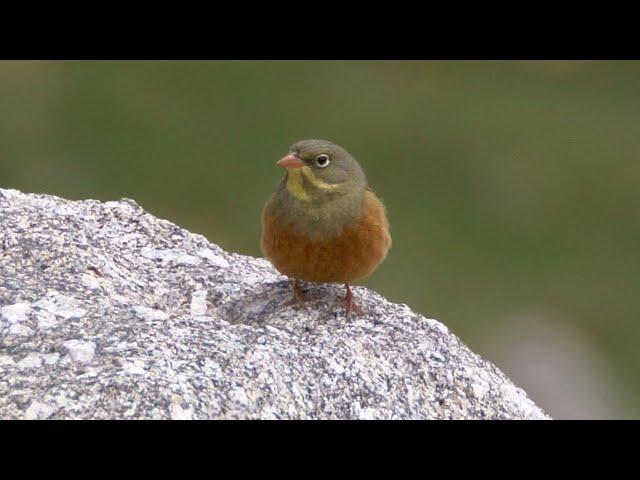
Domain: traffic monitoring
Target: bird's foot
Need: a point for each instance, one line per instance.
(350, 304)
(299, 296)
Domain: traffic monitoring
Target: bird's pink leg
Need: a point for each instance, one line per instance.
(299, 297)
(350, 304)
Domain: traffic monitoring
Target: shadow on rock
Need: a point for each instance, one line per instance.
(270, 303)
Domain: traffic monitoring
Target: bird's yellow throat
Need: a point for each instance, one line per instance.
(295, 183)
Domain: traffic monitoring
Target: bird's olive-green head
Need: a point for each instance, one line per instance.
(318, 170)
(322, 188)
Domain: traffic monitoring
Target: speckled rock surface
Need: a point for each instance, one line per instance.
(109, 312)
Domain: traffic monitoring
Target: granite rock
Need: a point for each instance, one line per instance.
(109, 312)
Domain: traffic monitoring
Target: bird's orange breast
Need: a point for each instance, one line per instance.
(352, 254)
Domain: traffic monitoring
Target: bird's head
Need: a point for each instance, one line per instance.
(319, 169)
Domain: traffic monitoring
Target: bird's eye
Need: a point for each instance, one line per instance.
(322, 160)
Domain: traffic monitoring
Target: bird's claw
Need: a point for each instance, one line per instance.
(350, 304)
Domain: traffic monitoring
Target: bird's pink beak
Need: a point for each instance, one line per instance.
(290, 161)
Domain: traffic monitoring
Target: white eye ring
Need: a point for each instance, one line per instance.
(322, 160)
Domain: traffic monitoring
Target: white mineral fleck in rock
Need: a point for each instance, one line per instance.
(90, 281)
(335, 367)
(10, 194)
(19, 330)
(60, 306)
(6, 360)
(39, 411)
(199, 303)
(185, 259)
(32, 360)
(168, 255)
(449, 378)
(217, 260)
(63, 210)
(18, 312)
(437, 325)
(62, 401)
(50, 358)
(534, 413)
(479, 388)
(212, 367)
(367, 414)
(134, 367)
(46, 319)
(510, 393)
(150, 313)
(178, 413)
(516, 395)
(267, 413)
(121, 299)
(153, 253)
(437, 357)
(239, 395)
(80, 351)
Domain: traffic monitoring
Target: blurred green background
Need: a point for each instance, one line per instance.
(512, 187)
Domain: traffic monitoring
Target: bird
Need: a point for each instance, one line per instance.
(323, 223)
